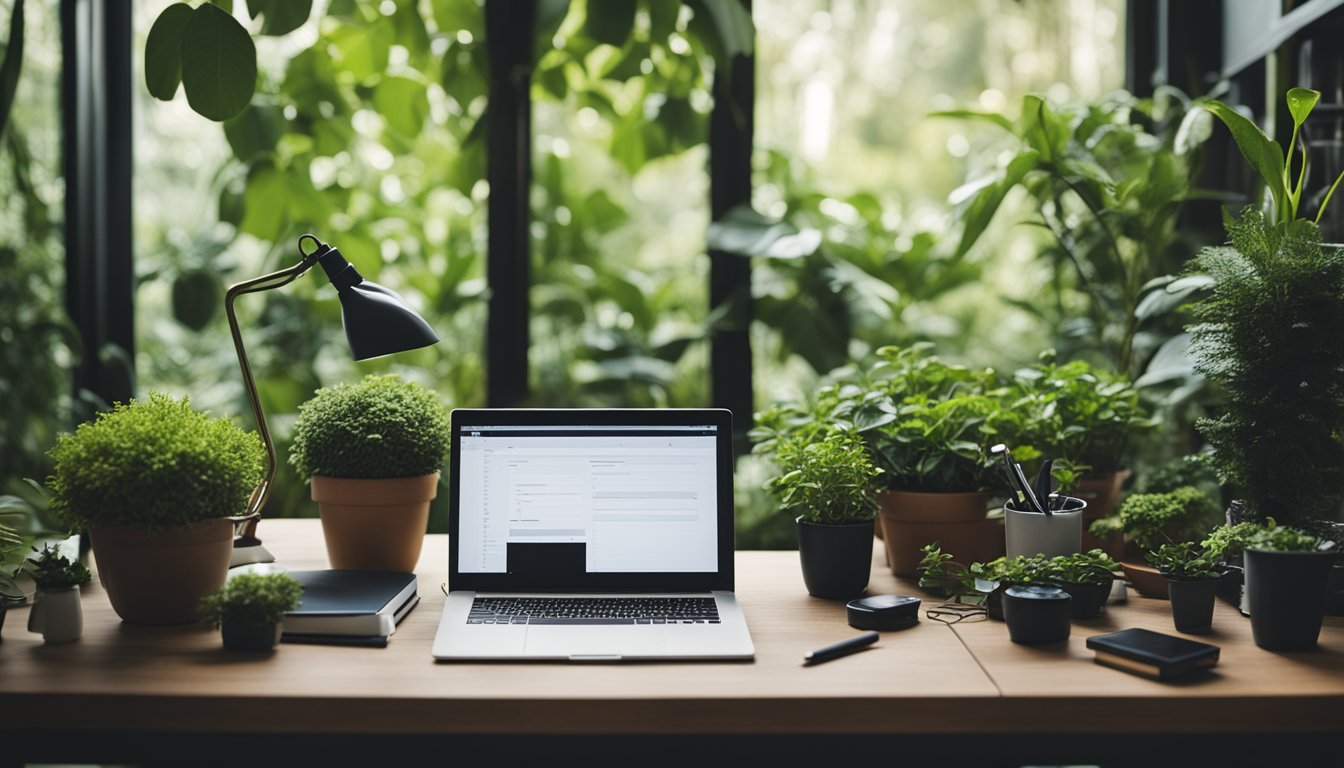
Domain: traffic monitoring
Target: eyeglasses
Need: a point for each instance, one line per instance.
(956, 612)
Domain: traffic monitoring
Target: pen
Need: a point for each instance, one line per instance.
(841, 648)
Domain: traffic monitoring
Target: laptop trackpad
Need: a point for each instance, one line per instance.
(602, 640)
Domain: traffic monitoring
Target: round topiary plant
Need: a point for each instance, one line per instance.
(153, 464)
(382, 427)
(252, 599)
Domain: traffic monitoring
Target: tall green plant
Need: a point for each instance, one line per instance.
(828, 480)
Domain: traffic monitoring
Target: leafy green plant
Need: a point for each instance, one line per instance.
(1269, 536)
(1081, 414)
(50, 570)
(381, 427)
(829, 480)
(1268, 158)
(11, 544)
(1022, 570)
(1186, 560)
(1151, 519)
(1093, 567)
(938, 573)
(252, 599)
(153, 464)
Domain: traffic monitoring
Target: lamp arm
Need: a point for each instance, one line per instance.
(257, 285)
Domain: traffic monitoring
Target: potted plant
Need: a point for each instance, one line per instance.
(1150, 520)
(157, 484)
(1085, 418)
(999, 574)
(828, 484)
(1087, 577)
(11, 544)
(941, 575)
(1192, 572)
(373, 451)
(250, 609)
(56, 613)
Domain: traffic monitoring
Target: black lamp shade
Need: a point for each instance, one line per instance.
(377, 321)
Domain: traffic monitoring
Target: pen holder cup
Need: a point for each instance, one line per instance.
(1032, 533)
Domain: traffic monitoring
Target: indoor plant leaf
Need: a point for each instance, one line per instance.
(1263, 155)
(219, 64)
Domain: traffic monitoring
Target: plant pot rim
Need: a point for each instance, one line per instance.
(1187, 580)
(204, 530)
(58, 590)
(935, 493)
(1306, 552)
(799, 520)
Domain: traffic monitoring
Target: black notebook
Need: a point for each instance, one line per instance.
(1153, 654)
(350, 607)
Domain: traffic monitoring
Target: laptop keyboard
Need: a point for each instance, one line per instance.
(593, 610)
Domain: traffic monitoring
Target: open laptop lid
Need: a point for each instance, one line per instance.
(591, 500)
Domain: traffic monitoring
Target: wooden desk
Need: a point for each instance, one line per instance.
(132, 690)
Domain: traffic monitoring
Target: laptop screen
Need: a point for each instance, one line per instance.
(587, 499)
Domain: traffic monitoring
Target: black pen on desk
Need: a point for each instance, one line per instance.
(841, 648)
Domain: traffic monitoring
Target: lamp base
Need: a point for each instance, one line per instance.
(247, 554)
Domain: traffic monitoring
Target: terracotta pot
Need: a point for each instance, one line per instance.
(1101, 493)
(160, 577)
(1146, 580)
(374, 525)
(955, 520)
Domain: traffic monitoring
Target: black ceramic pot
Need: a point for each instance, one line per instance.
(1087, 599)
(836, 559)
(994, 602)
(1334, 604)
(1192, 604)
(1037, 615)
(1285, 592)
(250, 637)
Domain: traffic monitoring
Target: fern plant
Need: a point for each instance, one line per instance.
(153, 464)
(382, 427)
(1271, 336)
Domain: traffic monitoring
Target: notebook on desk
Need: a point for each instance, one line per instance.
(591, 535)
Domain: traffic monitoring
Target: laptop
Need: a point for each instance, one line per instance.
(591, 535)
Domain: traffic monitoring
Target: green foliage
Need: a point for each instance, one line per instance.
(11, 64)
(382, 427)
(1194, 470)
(1186, 560)
(153, 464)
(1081, 414)
(1151, 519)
(825, 478)
(252, 599)
(1094, 567)
(11, 544)
(940, 575)
(1271, 335)
(51, 571)
(1108, 181)
(1268, 158)
(1269, 536)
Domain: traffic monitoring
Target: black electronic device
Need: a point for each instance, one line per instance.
(1153, 654)
(883, 612)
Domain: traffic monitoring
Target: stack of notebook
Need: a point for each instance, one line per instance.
(350, 607)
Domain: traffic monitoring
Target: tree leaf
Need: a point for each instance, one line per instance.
(196, 297)
(1264, 155)
(971, 114)
(163, 52)
(732, 25)
(219, 64)
(610, 21)
(255, 132)
(1300, 103)
(745, 232)
(9, 69)
(403, 103)
(280, 17)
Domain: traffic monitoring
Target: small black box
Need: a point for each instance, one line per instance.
(1153, 654)
(883, 612)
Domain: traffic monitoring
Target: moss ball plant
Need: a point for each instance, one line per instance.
(153, 464)
(382, 427)
(252, 599)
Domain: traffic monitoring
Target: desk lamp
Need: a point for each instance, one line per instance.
(377, 322)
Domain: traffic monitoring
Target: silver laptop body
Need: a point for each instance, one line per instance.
(591, 535)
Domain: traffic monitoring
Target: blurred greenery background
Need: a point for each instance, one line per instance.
(366, 129)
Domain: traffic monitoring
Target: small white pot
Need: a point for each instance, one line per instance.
(57, 615)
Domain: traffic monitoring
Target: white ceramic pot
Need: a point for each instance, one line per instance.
(1032, 533)
(57, 615)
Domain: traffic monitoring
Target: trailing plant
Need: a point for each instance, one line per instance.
(1081, 414)
(153, 464)
(828, 480)
(1093, 567)
(49, 570)
(1151, 519)
(252, 599)
(939, 574)
(1186, 560)
(381, 427)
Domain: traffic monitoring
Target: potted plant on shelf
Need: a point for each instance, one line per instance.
(827, 481)
(250, 609)
(56, 613)
(1192, 572)
(158, 485)
(373, 451)
(1150, 520)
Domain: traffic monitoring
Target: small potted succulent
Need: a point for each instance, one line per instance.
(373, 451)
(1192, 573)
(250, 609)
(827, 480)
(56, 613)
(1087, 577)
(159, 486)
(1150, 520)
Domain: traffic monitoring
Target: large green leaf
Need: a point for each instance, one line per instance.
(744, 232)
(280, 17)
(1264, 155)
(219, 64)
(733, 31)
(971, 114)
(403, 103)
(983, 205)
(9, 69)
(362, 49)
(266, 203)
(610, 21)
(255, 132)
(196, 297)
(163, 51)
